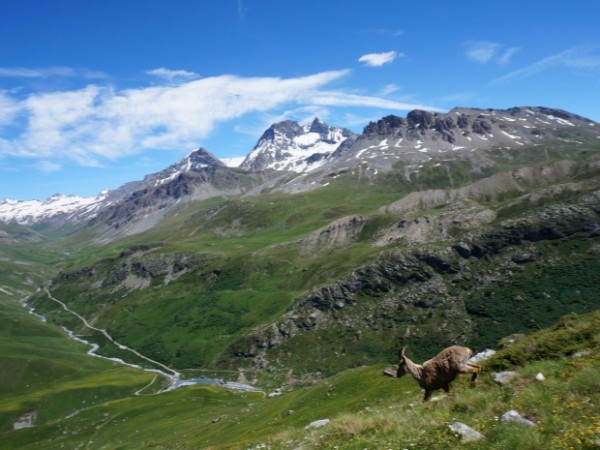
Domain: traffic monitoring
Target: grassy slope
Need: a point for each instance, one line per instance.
(245, 294)
(42, 370)
(252, 244)
(184, 418)
(367, 410)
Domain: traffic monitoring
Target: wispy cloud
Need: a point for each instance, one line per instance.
(22, 72)
(384, 32)
(378, 59)
(241, 10)
(345, 99)
(48, 166)
(481, 52)
(484, 52)
(9, 108)
(584, 58)
(48, 72)
(507, 55)
(99, 123)
(172, 75)
(389, 89)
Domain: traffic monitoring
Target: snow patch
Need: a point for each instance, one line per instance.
(512, 136)
(32, 211)
(233, 162)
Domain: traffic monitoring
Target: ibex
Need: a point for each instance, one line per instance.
(439, 372)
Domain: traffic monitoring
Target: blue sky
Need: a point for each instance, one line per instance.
(97, 93)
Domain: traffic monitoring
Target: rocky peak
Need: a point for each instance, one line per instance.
(421, 119)
(201, 158)
(287, 128)
(289, 146)
(386, 125)
(318, 126)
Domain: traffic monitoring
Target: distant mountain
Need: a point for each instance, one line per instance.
(288, 146)
(56, 207)
(198, 176)
(461, 134)
(320, 152)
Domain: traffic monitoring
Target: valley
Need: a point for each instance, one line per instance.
(304, 284)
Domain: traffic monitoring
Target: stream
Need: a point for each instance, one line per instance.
(174, 377)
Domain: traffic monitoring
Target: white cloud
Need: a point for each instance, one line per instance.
(22, 72)
(241, 10)
(172, 75)
(8, 109)
(384, 32)
(48, 166)
(583, 58)
(99, 123)
(507, 55)
(47, 72)
(484, 52)
(389, 89)
(378, 59)
(345, 99)
(96, 123)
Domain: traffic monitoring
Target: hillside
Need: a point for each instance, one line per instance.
(426, 231)
(365, 408)
(279, 277)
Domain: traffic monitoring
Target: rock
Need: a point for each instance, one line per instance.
(510, 340)
(466, 433)
(540, 377)
(581, 354)
(420, 119)
(503, 378)
(482, 356)
(218, 419)
(26, 421)
(389, 372)
(276, 393)
(318, 423)
(338, 233)
(514, 416)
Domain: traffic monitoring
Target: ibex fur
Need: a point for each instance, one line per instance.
(440, 371)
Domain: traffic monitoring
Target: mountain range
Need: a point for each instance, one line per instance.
(290, 157)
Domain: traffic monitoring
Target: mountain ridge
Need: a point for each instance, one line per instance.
(317, 153)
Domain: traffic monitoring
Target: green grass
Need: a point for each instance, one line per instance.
(248, 269)
(42, 370)
(250, 243)
(366, 409)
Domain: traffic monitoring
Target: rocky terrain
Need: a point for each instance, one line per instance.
(464, 248)
(288, 146)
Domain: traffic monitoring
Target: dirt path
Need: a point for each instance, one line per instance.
(173, 372)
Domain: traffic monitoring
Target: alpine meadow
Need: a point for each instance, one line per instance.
(210, 306)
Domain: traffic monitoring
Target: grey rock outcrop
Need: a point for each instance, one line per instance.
(515, 416)
(465, 432)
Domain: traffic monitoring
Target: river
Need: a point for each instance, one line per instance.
(174, 377)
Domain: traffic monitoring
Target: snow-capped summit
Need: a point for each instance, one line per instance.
(289, 146)
(196, 161)
(33, 211)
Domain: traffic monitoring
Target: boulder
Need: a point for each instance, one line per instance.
(514, 416)
(503, 378)
(466, 433)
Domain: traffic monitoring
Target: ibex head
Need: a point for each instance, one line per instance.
(402, 368)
